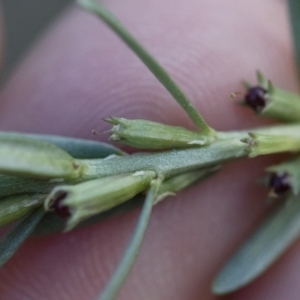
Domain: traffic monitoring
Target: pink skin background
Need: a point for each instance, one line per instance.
(79, 72)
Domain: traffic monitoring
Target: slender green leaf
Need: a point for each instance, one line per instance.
(125, 266)
(24, 156)
(14, 239)
(80, 148)
(266, 245)
(294, 9)
(157, 70)
(10, 185)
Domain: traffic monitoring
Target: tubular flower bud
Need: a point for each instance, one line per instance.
(81, 201)
(144, 134)
(270, 101)
(263, 144)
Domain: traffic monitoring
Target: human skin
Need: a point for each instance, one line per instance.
(80, 72)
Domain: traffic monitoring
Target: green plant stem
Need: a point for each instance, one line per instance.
(169, 163)
(157, 70)
(228, 146)
(131, 253)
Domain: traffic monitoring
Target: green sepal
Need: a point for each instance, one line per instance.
(263, 144)
(282, 105)
(261, 79)
(144, 134)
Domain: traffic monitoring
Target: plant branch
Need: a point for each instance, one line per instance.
(157, 70)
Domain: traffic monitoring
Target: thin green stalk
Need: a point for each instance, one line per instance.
(157, 70)
(132, 250)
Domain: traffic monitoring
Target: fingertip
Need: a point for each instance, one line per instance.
(80, 73)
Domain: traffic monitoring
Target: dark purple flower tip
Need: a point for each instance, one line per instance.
(256, 98)
(60, 209)
(279, 183)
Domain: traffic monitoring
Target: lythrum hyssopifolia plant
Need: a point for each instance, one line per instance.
(52, 183)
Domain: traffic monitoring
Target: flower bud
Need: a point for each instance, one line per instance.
(81, 201)
(279, 183)
(285, 177)
(256, 98)
(270, 101)
(144, 134)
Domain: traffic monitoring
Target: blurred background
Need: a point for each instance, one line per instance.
(24, 21)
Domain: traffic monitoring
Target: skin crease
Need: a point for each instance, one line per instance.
(80, 73)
